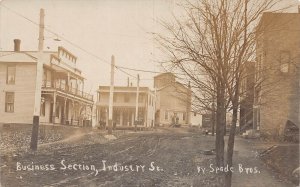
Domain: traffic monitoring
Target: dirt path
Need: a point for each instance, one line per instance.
(247, 153)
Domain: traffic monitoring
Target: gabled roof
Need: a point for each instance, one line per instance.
(15, 57)
(163, 74)
(174, 84)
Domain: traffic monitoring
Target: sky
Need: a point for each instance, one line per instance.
(100, 27)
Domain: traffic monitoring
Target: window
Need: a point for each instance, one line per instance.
(166, 115)
(259, 67)
(11, 75)
(115, 97)
(284, 61)
(183, 116)
(126, 98)
(9, 101)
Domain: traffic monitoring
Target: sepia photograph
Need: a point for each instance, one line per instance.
(149, 93)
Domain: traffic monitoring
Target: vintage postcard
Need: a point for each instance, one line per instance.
(166, 93)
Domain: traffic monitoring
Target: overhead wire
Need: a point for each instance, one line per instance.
(120, 68)
(67, 40)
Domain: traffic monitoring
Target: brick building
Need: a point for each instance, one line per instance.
(277, 92)
(247, 97)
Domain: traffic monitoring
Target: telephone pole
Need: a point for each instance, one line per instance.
(38, 86)
(137, 103)
(111, 95)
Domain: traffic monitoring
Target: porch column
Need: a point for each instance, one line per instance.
(121, 117)
(65, 113)
(73, 109)
(54, 108)
(93, 121)
(53, 77)
(132, 119)
(96, 115)
(145, 117)
(99, 115)
(106, 120)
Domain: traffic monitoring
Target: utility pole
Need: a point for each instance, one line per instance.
(111, 95)
(154, 107)
(38, 86)
(137, 102)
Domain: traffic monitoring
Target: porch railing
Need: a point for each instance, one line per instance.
(65, 88)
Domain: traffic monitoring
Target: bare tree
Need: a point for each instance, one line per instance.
(209, 43)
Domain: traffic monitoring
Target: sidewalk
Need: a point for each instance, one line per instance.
(247, 154)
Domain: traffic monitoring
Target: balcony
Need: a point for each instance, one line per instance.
(60, 86)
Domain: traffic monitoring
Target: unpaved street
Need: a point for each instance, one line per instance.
(165, 157)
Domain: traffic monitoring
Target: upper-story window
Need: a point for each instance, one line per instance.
(11, 74)
(284, 61)
(115, 97)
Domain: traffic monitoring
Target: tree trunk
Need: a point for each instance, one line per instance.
(230, 144)
(230, 147)
(220, 123)
(213, 118)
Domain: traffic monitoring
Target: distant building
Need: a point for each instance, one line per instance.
(63, 100)
(124, 106)
(247, 97)
(277, 88)
(173, 100)
(196, 119)
(207, 120)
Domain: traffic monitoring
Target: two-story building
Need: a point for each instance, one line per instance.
(124, 106)
(63, 100)
(277, 73)
(173, 101)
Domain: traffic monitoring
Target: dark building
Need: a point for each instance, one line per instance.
(247, 97)
(277, 87)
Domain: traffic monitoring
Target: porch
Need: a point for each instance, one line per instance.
(122, 116)
(58, 107)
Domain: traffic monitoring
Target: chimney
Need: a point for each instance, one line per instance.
(17, 43)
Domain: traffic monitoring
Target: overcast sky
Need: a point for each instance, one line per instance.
(102, 27)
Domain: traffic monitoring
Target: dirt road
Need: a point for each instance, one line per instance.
(167, 157)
